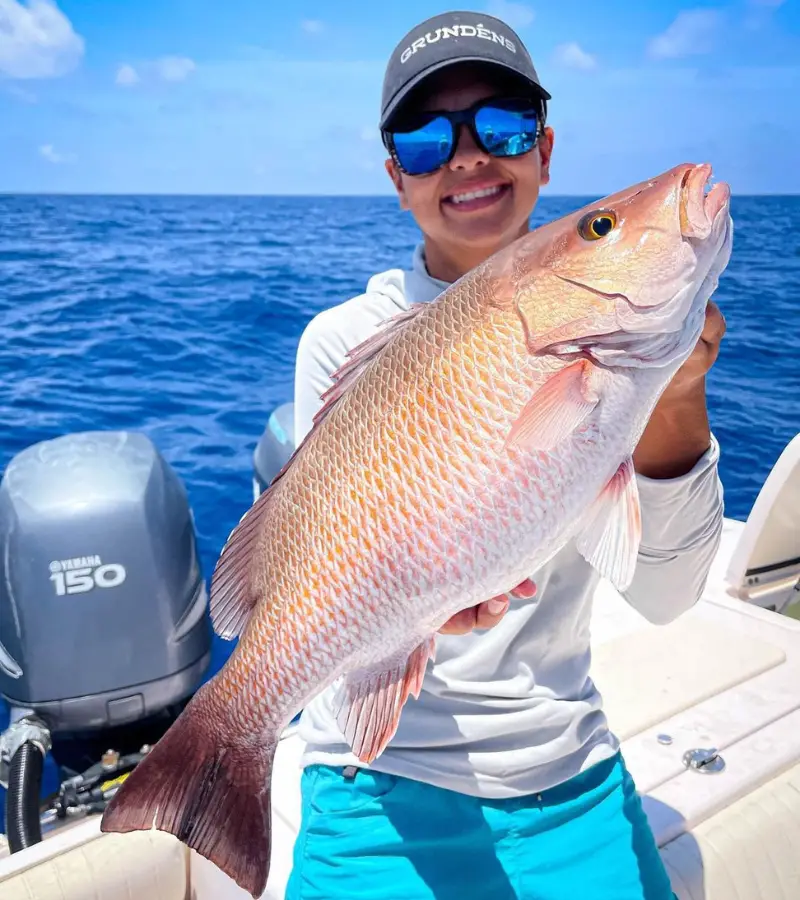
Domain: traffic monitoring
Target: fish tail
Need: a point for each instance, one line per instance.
(209, 788)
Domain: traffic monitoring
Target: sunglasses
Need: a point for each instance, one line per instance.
(425, 142)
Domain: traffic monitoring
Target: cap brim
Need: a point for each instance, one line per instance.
(409, 86)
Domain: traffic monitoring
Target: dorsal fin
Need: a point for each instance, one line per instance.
(233, 597)
(233, 594)
(361, 355)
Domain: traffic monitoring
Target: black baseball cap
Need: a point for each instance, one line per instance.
(449, 38)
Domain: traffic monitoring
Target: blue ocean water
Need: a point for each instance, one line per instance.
(179, 317)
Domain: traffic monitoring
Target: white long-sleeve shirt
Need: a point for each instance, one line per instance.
(511, 710)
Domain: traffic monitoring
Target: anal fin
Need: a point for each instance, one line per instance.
(369, 702)
(612, 530)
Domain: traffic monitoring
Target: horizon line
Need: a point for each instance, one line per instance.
(332, 196)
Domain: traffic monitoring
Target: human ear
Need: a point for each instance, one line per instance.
(397, 181)
(545, 146)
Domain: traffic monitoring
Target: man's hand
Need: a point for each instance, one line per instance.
(678, 433)
(487, 614)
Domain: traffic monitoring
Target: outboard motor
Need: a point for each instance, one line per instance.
(274, 448)
(104, 627)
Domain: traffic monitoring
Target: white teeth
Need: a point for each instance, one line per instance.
(473, 195)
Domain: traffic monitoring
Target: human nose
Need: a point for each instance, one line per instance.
(468, 154)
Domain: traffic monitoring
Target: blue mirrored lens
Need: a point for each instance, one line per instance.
(426, 148)
(506, 132)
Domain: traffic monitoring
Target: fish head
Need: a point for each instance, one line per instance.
(625, 280)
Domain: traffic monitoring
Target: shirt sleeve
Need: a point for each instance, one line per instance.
(315, 364)
(682, 522)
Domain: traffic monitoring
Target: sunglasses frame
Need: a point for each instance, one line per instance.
(465, 117)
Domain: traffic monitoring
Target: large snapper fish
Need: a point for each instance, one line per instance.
(459, 449)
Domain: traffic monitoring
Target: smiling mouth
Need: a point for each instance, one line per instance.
(474, 195)
(478, 198)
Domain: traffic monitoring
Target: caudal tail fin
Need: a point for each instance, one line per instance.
(208, 788)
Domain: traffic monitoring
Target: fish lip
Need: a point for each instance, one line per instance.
(697, 210)
(717, 200)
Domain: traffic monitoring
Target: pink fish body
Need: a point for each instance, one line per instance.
(459, 450)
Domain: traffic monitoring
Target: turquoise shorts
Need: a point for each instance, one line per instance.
(377, 836)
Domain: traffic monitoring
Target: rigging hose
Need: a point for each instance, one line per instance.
(23, 824)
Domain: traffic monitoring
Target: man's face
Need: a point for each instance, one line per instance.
(485, 223)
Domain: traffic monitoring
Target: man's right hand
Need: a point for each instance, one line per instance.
(488, 613)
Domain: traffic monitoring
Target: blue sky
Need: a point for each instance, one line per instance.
(256, 96)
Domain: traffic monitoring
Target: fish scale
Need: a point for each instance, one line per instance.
(458, 449)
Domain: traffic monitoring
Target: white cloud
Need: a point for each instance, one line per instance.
(127, 75)
(691, 32)
(168, 68)
(49, 152)
(573, 56)
(174, 68)
(517, 15)
(312, 26)
(37, 40)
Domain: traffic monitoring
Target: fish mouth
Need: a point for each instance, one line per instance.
(698, 209)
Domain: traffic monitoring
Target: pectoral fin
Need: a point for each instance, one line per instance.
(370, 702)
(612, 531)
(560, 406)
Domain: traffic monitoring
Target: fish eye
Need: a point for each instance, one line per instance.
(597, 224)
